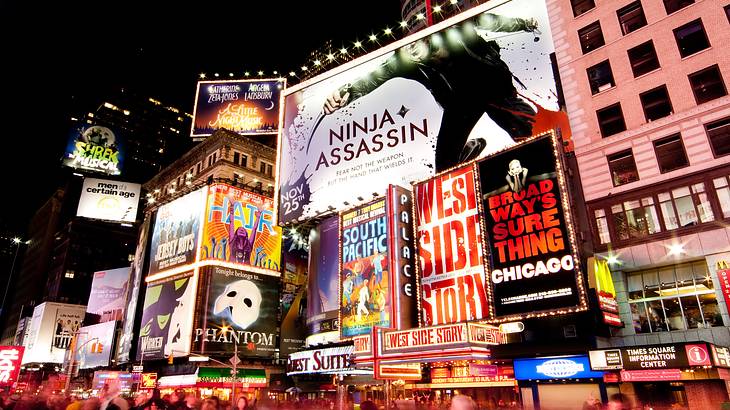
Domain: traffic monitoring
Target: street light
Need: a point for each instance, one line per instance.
(17, 241)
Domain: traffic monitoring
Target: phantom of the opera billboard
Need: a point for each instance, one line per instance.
(109, 200)
(175, 236)
(419, 106)
(94, 148)
(241, 106)
(240, 228)
(240, 309)
(167, 317)
(533, 263)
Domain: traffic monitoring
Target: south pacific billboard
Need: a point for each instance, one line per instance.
(94, 148)
(108, 294)
(533, 263)
(242, 106)
(480, 83)
(239, 308)
(109, 200)
(240, 228)
(175, 235)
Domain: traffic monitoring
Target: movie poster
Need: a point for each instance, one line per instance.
(294, 296)
(240, 309)
(175, 237)
(127, 339)
(239, 228)
(365, 287)
(534, 267)
(453, 283)
(94, 148)
(323, 277)
(166, 327)
(108, 294)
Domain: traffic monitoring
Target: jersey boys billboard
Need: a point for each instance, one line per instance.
(422, 105)
(534, 267)
(175, 237)
(241, 106)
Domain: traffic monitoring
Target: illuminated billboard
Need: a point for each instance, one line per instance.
(175, 236)
(240, 309)
(94, 345)
(10, 359)
(109, 200)
(239, 228)
(167, 313)
(241, 106)
(480, 83)
(293, 302)
(322, 277)
(452, 273)
(51, 330)
(94, 148)
(534, 267)
(108, 294)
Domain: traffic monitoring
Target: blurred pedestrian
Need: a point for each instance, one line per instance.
(462, 402)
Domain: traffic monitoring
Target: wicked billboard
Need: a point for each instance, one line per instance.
(175, 236)
(237, 308)
(419, 106)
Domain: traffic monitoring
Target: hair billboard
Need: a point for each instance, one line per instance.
(470, 86)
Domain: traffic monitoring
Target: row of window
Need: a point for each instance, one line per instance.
(242, 160)
(629, 12)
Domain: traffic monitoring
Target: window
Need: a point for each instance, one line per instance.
(622, 168)
(691, 38)
(236, 157)
(200, 164)
(685, 206)
(269, 170)
(722, 189)
(69, 274)
(643, 58)
(244, 160)
(635, 219)
(670, 154)
(727, 12)
(656, 103)
(675, 297)
(591, 37)
(718, 133)
(600, 77)
(602, 226)
(707, 84)
(581, 6)
(673, 5)
(611, 120)
(631, 17)
(262, 167)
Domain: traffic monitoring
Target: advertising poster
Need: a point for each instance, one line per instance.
(109, 200)
(51, 330)
(94, 345)
(94, 148)
(166, 326)
(10, 359)
(402, 252)
(241, 106)
(323, 277)
(293, 297)
(108, 294)
(175, 236)
(239, 228)
(402, 114)
(534, 267)
(453, 283)
(128, 336)
(240, 309)
(365, 286)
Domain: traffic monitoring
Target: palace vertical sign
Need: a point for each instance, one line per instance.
(400, 223)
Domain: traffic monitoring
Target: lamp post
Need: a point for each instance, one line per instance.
(72, 356)
(17, 241)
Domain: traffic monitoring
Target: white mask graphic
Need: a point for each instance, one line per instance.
(243, 298)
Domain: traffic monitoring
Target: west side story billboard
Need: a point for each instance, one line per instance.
(470, 86)
(175, 236)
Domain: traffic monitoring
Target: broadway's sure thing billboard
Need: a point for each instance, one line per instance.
(175, 237)
(94, 148)
(365, 285)
(51, 330)
(109, 200)
(166, 326)
(323, 271)
(450, 248)
(533, 263)
(240, 309)
(94, 345)
(419, 106)
(239, 228)
(242, 106)
(108, 294)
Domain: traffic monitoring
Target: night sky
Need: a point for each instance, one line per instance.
(58, 57)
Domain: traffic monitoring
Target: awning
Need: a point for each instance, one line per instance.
(213, 377)
(180, 380)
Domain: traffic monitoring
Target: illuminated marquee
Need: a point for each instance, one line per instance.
(445, 336)
(10, 358)
(328, 360)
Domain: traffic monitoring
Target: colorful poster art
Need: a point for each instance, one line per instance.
(533, 264)
(453, 282)
(241, 106)
(401, 114)
(239, 228)
(51, 331)
(323, 276)
(108, 294)
(365, 287)
(166, 328)
(94, 345)
(175, 236)
(10, 360)
(240, 309)
(94, 148)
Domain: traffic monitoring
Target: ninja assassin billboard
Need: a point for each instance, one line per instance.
(238, 308)
(417, 107)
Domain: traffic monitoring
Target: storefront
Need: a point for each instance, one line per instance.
(216, 381)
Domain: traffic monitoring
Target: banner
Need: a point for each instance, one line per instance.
(94, 345)
(323, 277)
(402, 253)
(400, 114)
(108, 294)
(365, 286)
(240, 309)
(51, 331)
(166, 326)
(453, 285)
(128, 337)
(10, 359)
(94, 148)
(549, 368)
(109, 200)
(175, 236)
(533, 260)
(293, 296)
(327, 360)
(665, 356)
(242, 106)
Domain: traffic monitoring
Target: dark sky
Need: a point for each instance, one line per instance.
(55, 56)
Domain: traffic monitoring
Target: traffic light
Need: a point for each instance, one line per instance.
(170, 358)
